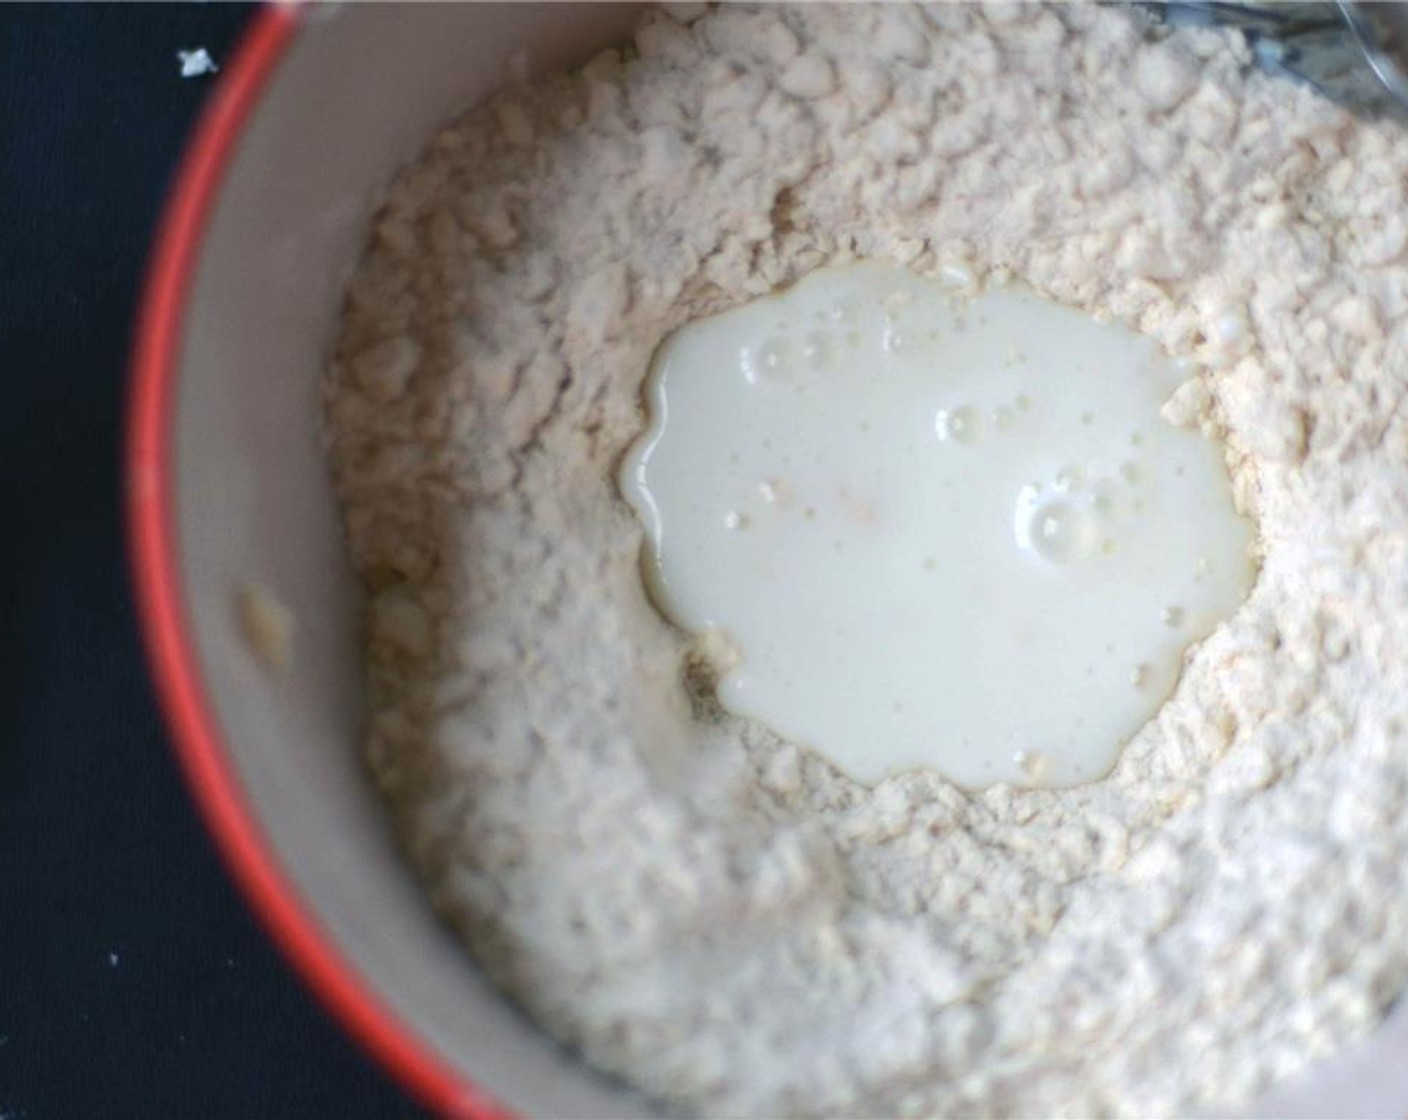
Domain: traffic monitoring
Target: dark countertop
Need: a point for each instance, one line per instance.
(133, 981)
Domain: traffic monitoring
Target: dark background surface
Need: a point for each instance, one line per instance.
(133, 982)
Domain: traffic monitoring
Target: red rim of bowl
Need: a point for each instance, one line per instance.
(161, 605)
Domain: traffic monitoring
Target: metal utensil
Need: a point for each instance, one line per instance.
(1353, 52)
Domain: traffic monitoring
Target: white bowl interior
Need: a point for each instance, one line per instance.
(359, 94)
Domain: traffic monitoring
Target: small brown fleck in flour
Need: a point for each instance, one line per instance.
(267, 626)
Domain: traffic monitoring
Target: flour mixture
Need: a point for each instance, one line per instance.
(716, 915)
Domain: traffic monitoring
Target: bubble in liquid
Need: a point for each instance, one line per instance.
(1003, 418)
(735, 520)
(763, 362)
(1173, 616)
(1107, 500)
(1141, 674)
(1024, 402)
(772, 490)
(1131, 473)
(960, 425)
(1060, 532)
(893, 341)
(817, 349)
(1069, 479)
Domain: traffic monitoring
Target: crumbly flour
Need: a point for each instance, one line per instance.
(719, 916)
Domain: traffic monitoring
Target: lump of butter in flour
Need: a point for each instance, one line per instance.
(937, 531)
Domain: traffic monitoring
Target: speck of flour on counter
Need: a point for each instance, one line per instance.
(719, 916)
(196, 63)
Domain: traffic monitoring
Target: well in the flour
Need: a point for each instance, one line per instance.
(1001, 653)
